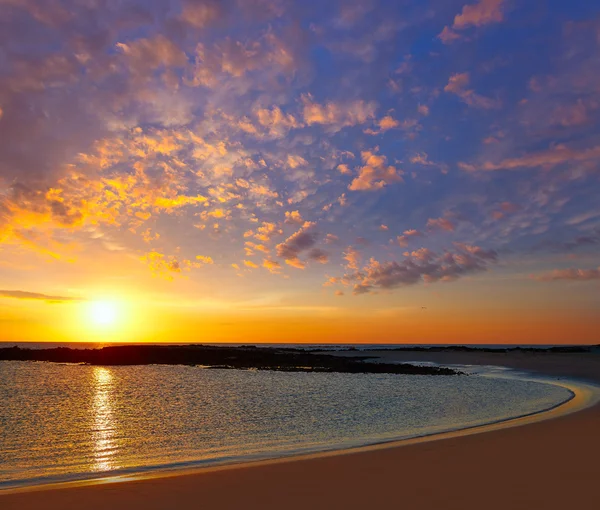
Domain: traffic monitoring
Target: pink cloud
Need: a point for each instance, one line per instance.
(145, 55)
(482, 13)
(200, 14)
(440, 223)
(407, 235)
(458, 83)
(578, 275)
(547, 158)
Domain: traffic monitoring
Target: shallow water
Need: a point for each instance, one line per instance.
(61, 422)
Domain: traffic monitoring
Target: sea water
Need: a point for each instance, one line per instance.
(62, 422)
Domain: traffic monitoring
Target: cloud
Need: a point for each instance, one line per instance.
(422, 265)
(423, 109)
(276, 122)
(272, 265)
(423, 159)
(344, 169)
(336, 116)
(557, 155)
(293, 217)
(482, 13)
(447, 35)
(199, 14)
(352, 257)
(21, 294)
(303, 239)
(168, 266)
(440, 224)
(318, 255)
(294, 161)
(458, 83)
(384, 124)
(230, 61)
(568, 246)
(146, 55)
(267, 231)
(407, 235)
(578, 275)
(375, 174)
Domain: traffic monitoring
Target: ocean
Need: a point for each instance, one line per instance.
(61, 422)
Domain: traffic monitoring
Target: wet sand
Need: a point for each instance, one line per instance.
(550, 464)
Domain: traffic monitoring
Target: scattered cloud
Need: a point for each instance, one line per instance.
(21, 294)
(483, 12)
(458, 83)
(336, 116)
(440, 224)
(420, 266)
(549, 158)
(407, 235)
(302, 240)
(375, 174)
(577, 275)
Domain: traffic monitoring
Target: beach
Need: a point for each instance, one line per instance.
(541, 464)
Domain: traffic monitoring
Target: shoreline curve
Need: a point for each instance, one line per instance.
(583, 394)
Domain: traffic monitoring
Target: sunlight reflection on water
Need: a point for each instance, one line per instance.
(104, 423)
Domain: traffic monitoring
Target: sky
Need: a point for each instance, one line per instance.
(350, 171)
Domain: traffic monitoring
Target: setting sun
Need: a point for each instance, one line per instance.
(104, 313)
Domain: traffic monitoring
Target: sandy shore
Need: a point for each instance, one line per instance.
(551, 464)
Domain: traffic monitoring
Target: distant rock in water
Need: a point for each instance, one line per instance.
(247, 357)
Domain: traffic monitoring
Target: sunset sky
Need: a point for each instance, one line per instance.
(302, 171)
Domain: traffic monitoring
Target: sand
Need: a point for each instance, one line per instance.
(550, 464)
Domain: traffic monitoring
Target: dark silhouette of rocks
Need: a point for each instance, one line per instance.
(247, 357)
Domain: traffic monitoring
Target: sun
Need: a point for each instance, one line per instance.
(103, 313)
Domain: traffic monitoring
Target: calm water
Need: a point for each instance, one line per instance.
(60, 422)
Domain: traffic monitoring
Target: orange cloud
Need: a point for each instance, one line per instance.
(168, 266)
(384, 124)
(352, 257)
(293, 217)
(266, 231)
(440, 223)
(337, 115)
(375, 174)
(344, 169)
(272, 265)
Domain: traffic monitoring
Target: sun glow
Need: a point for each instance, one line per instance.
(103, 313)
(106, 318)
